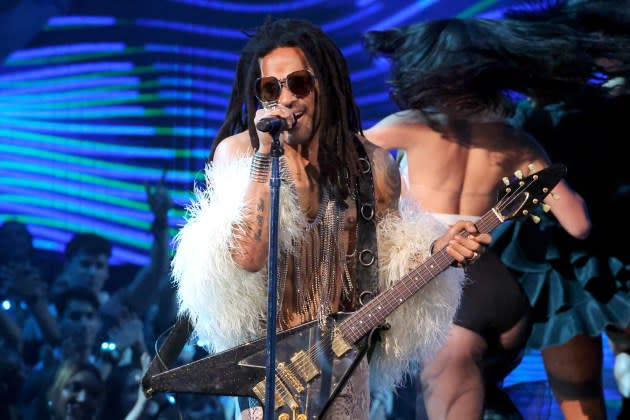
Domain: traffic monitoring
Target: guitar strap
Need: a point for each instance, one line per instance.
(366, 267)
(168, 353)
(366, 271)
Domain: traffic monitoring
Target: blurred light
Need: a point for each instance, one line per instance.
(86, 48)
(252, 7)
(81, 21)
(192, 28)
(68, 70)
(6, 305)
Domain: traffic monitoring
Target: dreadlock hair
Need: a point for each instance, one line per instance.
(337, 117)
(235, 119)
(459, 68)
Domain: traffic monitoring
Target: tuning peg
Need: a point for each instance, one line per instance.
(506, 180)
(555, 196)
(519, 174)
(546, 207)
(531, 167)
(535, 218)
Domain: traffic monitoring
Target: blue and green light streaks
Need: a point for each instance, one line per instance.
(45, 216)
(477, 8)
(86, 165)
(24, 140)
(56, 232)
(99, 130)
(109, 102)
(40, 181)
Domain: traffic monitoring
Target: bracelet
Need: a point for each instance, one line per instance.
(261, 167)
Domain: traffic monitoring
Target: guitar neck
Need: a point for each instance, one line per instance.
(374, 313)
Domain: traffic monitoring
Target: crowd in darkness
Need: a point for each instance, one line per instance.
(76, 334)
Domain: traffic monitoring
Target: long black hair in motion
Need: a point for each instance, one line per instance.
(460, 67)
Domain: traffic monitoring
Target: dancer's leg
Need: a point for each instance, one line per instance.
(574, 370)
(451, 382)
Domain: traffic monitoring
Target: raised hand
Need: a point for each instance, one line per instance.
(159, 199)
(128, 333)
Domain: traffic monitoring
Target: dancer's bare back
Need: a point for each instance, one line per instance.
(461, 173)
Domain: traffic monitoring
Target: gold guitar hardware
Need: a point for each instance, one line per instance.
(304, 366)
(283, 395)
(289, 377)
(339, 344)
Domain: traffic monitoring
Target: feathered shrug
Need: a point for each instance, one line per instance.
(226, 303)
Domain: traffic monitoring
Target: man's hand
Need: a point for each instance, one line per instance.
(128, 333)
(464, 248)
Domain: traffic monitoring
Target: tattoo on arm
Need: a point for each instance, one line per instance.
(393, 183)
(260, 207)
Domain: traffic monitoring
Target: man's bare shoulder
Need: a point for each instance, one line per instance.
(386, 175)
(233, 147)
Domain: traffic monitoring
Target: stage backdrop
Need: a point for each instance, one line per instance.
(109, 95)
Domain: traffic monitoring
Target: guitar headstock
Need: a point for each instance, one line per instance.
(522, 193)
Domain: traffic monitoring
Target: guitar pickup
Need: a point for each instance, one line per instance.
(283, 395)
(304, 366)
(339, 344)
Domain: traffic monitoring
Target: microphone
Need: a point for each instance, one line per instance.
(272, 125)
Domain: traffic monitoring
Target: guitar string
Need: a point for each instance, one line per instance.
(441, 257)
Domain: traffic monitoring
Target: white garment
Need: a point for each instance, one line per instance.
(449, 219)
(226, 303)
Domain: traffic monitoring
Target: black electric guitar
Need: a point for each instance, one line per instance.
(313, 363)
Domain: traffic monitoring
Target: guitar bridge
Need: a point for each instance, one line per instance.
(289, 377)
(283, 395)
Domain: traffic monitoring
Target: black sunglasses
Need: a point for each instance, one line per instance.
(300, 83)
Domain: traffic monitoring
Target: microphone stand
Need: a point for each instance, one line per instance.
(272, 264)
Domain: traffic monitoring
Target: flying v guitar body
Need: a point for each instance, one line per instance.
(313, 366)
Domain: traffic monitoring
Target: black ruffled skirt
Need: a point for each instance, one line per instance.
(572, 289)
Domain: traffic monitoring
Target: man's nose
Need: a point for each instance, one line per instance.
(286, 96)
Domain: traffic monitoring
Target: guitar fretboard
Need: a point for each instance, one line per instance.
(373, 313)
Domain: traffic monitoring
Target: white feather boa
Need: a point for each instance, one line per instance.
(226, 303)
(420, 326)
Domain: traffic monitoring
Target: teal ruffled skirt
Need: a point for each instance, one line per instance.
(571, 288)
